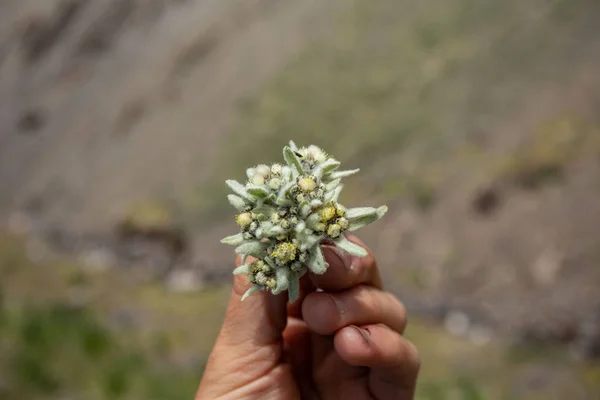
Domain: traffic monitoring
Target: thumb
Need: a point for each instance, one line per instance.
(256, 322)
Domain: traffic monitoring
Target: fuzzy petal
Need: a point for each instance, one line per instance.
(258, 191)
(334, 195)
(349, 247)
(242, 269)
(333, 185)
(356, 221)
(305, 210)
(283, 280)
(294, 287)
(343, 174)
(237, 202)
(330, 165)
(292, 160)
(316, 261)
(235, 240)
(312, 220)
(250, 292)
(316, 203)
(254, 248)
(240, 190)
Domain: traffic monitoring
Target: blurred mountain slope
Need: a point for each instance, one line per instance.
(104, 102)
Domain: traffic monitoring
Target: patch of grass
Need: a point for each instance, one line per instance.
(57, 351)
(51, 347)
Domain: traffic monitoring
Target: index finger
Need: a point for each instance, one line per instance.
(346, 271)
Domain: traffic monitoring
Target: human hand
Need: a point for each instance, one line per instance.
(343, 342)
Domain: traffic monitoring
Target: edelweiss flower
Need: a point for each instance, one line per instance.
(285, 212)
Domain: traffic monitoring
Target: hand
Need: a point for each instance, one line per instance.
(343, 342)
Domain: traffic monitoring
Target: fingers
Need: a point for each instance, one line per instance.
(346, 271)
(325, 313)
(257, 321)
(394, 361)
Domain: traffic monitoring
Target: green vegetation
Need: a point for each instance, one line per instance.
(400, 80)
(59, 351)
(54, 344)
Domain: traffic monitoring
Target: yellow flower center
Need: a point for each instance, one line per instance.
(244, 220)
(307, 184)
(327, 213)
(285, 252)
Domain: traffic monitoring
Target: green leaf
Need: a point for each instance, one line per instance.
(242, 269)
(343, 174)
(292, 160)
(310, 241)
(258, 191)
(240, 190)
(250, 292)
(330, 165)
(282, 199)
(237, 202)
(235, 240)
(316, 203)
(356, 221)
(334, 195)
(312, 220)
(294, 287)
(360, 212)
(333, 185)
(283, 280)
(316, 261)
(254, 248)
(305, 210)
(264, 209)
(349, 247)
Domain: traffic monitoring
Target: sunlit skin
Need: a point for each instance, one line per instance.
(343, 342)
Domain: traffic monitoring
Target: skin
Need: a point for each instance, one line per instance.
(341, 342)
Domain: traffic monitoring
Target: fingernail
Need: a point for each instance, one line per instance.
(333, 254)
(363, 332)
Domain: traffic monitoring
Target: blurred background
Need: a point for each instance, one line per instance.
(475, 121)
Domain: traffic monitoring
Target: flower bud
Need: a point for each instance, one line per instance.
(343, 223)
(327, 213)
(271, 283)
(334, 230)
(258, 180)
(275, 183)
(276, 169)
(244, 220)
(307, 184)
(261, 278)
(263, 170)
(315, 153)
(285, 252)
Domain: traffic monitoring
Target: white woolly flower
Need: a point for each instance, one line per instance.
(285, 212)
